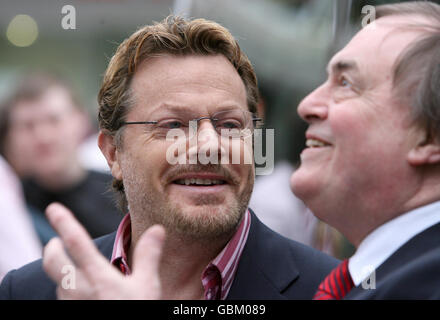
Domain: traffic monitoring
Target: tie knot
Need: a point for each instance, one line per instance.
(336, 285)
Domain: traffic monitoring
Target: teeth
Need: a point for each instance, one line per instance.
(312, 143)
(200, 182)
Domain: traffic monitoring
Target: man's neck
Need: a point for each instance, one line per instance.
(422, 195)
(183, 262)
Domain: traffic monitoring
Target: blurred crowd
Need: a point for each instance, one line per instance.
(42, 128)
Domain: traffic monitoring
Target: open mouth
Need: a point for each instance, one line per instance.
(315, 143)
(199, 182)
(200, 179)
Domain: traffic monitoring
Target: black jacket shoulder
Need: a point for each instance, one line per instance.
(412, 272)
(273, 267)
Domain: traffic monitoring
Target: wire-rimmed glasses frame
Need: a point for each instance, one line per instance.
(224, 122)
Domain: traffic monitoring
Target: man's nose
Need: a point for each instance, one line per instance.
(206, 132)
(314, 107)
(209, 144)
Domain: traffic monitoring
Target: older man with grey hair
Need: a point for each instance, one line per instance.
(371, 167)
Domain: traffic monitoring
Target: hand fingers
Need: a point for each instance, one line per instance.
(59, 268)
(147, 254)
(56, 263)
(78, 243)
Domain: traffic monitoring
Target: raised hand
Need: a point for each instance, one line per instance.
(94, 277)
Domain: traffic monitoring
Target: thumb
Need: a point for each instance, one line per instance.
(147, 254)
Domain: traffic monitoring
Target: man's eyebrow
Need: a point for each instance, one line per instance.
(342, 65)
(167, 107)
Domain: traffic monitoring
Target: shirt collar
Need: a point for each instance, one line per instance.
(122, 245)
(218, 275)
(380, 244)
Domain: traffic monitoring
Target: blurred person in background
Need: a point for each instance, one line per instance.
(41, 127)
(19, 243)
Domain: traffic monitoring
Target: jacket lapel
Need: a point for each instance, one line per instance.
(260, 275)
(105, 244)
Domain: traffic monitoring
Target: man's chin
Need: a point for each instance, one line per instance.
(199, 196)
(204, 210)
(306, 187)
(205, 221)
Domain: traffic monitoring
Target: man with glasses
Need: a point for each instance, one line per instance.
(185, 90)
(236, 124)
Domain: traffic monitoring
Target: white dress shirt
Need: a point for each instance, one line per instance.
(379, 245)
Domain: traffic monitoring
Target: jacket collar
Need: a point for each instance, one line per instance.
(412, 250)
(105, 244)
(260, 275)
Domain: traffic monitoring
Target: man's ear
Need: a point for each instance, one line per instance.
(425, 153)
(108, 148)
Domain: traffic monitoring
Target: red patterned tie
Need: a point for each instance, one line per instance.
(336, 285)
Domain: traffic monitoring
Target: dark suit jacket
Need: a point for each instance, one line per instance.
(412, 272)
(271, 267)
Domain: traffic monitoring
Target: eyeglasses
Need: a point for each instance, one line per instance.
(234, 123)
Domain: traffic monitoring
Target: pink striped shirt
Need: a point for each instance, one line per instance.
(218, 275)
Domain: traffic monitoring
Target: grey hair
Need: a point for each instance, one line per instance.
(416, 72)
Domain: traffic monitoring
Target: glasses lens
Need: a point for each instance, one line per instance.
(233, 123)
(174, 123)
